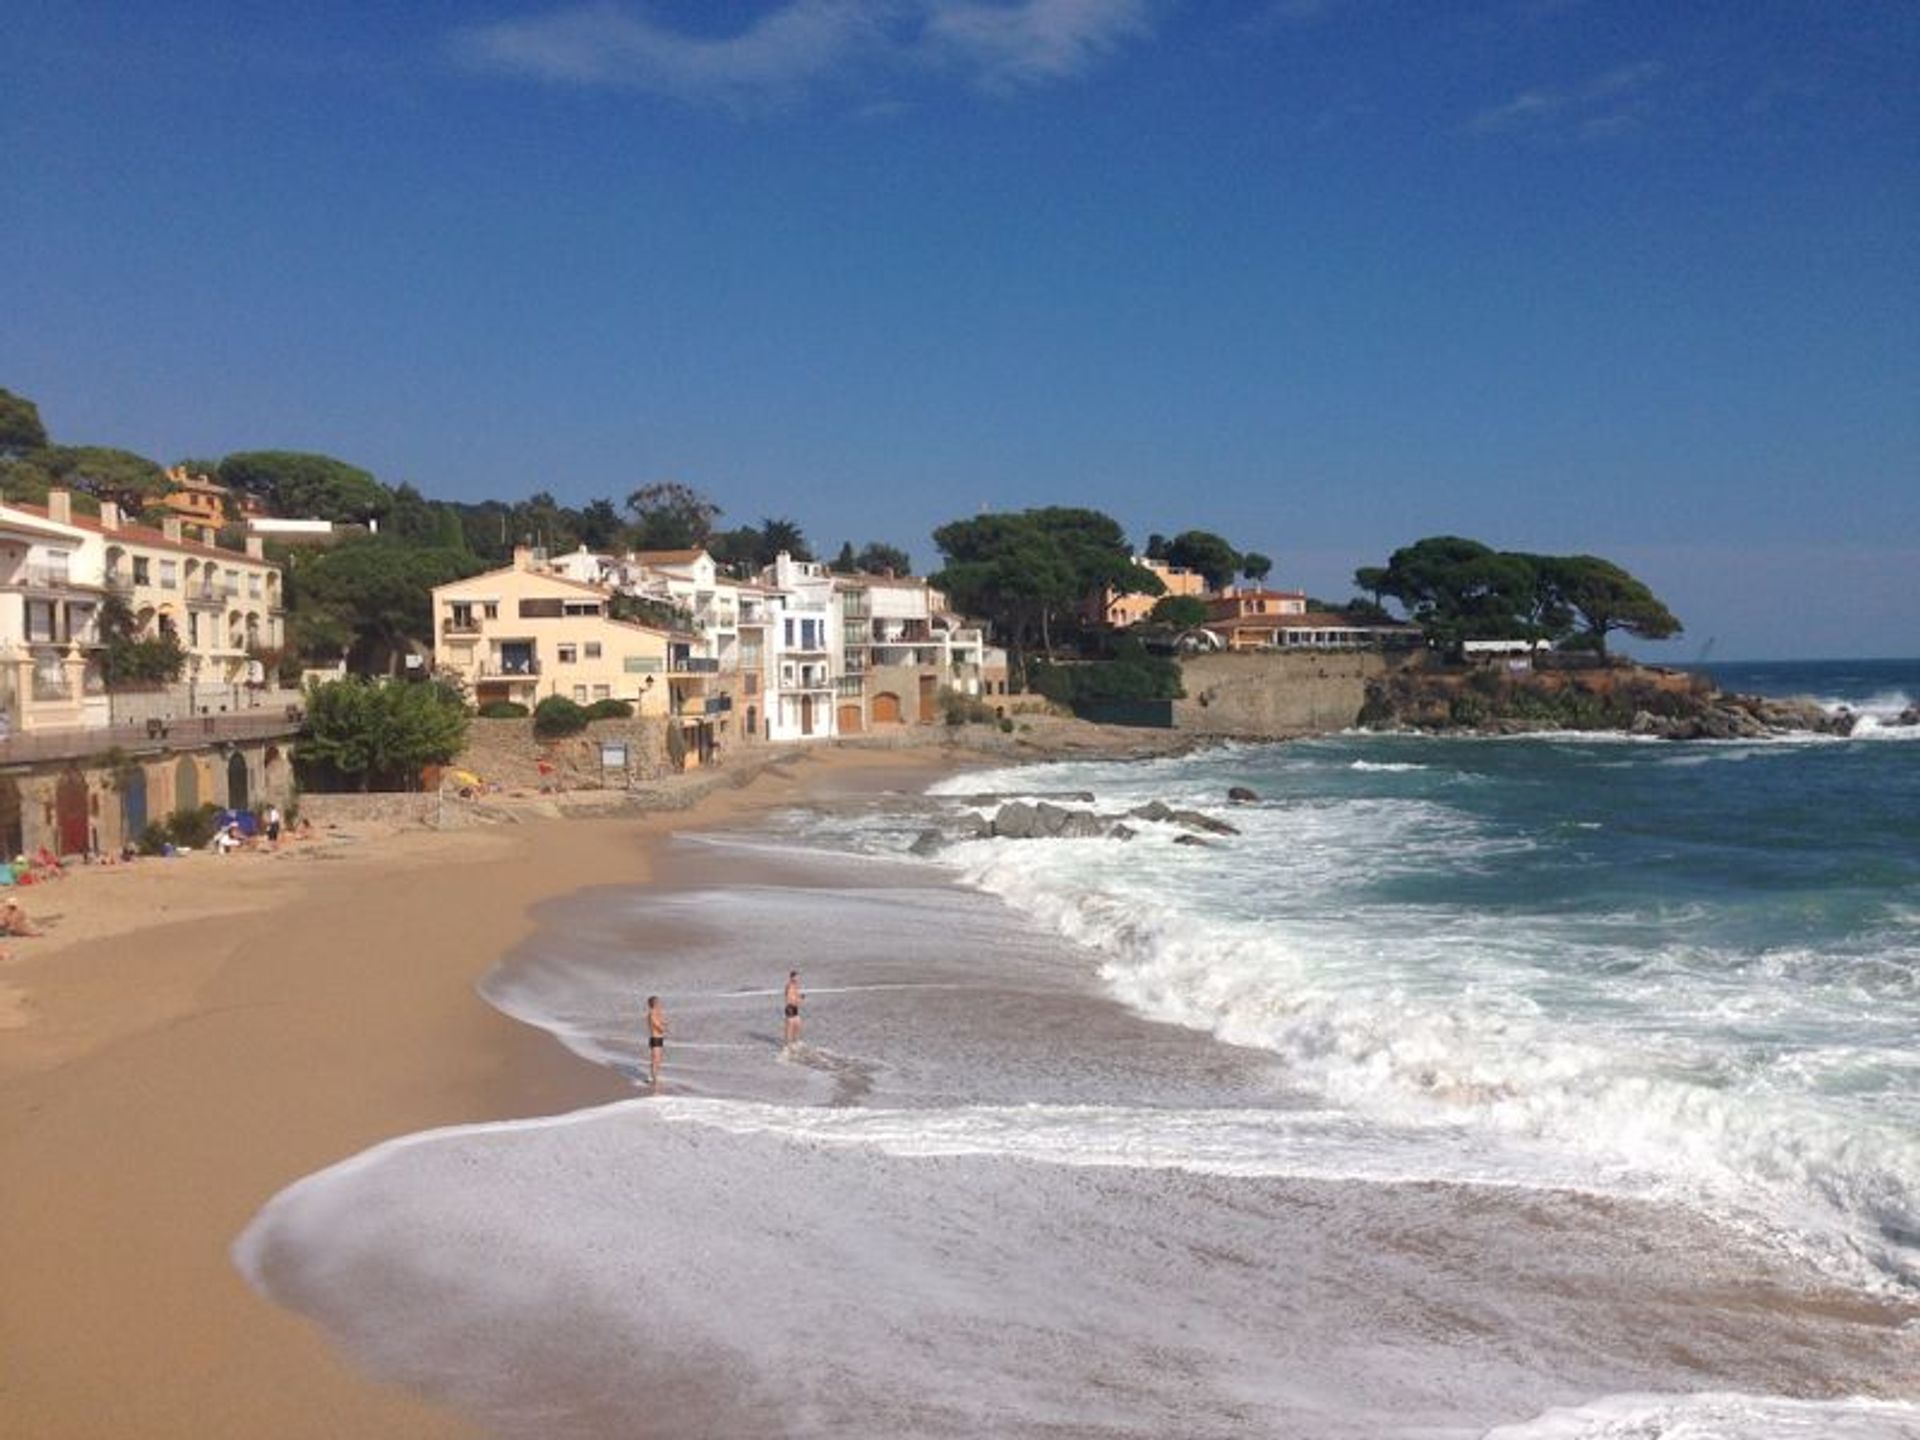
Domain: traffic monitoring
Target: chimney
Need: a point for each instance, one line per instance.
(522, 557)
(170, 527)
(60, 507)
(109, 515)
(256, 547)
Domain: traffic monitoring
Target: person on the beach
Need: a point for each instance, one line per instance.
(273, 826)
(791, 1034)
(656, 1038)
(13, 918)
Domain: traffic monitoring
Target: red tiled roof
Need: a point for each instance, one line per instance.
(668, 557)
(143, 535)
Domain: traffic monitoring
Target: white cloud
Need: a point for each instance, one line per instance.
(1609, 104)
(1031, 41)
(802, 43)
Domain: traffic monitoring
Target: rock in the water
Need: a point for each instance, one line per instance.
(1082, 825)
(928, 842)
(1194, 820)
(1908, 716)
(1152, 810)
(1241, 795)
(1016, 820)
(1200, 840)
(974, 827)
(1122, 832)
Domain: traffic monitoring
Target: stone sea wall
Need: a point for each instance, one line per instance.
(1277, 695)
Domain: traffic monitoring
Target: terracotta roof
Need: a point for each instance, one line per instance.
(145, 535)
(1309, 620)
(668, 557)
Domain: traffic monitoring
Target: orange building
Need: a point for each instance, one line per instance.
(1121, 611)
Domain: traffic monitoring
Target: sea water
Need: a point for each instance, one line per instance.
(1558, 1086)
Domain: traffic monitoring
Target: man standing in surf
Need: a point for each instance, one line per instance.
(656, 1039)
(790, 1034)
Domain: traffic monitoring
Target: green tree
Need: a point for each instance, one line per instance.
(306, 486)
(1607, 598)
(1457, 589)
(378, 590)
(846, 562)
(877, 558)
(380, 733)
(20, 427)
(131, 481)
(1182, 612)
(1029, 571)
(412, 518)
(671, 516)
(1206, 553)
(129, 659)
(1255, 566)
(777, 536)
(599, 525)
(736, 552)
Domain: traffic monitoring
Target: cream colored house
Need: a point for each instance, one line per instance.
(224, 606)
(1124, 610)
(523, 633)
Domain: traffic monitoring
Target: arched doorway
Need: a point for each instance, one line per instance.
(806, 714)
(753, 722)
(133, 801)
(13, 840)
(851, 722)
(886, 708)
(237, 796)
(186, 784)
(70, 813)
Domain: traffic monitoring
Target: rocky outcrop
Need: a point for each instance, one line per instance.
(1241, 795)
(1044, 820)
(1635, 699)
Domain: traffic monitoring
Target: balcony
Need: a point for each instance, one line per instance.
(850, 687)
(456, 626)
(495, 668)
(692, 665)
(206, 597)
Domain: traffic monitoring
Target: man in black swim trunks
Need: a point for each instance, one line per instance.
(656, 1038)
(791, 1034)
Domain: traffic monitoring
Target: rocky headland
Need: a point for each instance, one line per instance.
(1632, 699)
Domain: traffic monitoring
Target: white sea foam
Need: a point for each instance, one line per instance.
(1418, 1019)
(1720, 1417)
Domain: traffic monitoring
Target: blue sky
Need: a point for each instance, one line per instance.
(1324, 276)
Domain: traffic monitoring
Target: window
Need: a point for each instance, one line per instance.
(593, 649)
(541, 610)
(491, 609)
(580, 694)
(193, 628)
(603, 692)
(568, 654)
(140, 570)
(753, 683)
(169, 574)
(253, 585)
(580, 607)
(462, 616)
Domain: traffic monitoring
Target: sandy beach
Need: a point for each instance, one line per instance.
(191, 1036)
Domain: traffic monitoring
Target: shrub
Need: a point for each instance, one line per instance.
(187, 829)
(965, 709)
(557, 715)
(610, 710)
(504, 710)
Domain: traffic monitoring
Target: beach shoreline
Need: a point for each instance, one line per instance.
(159, 1083)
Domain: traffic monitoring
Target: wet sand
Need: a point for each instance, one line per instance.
(191, 1036)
